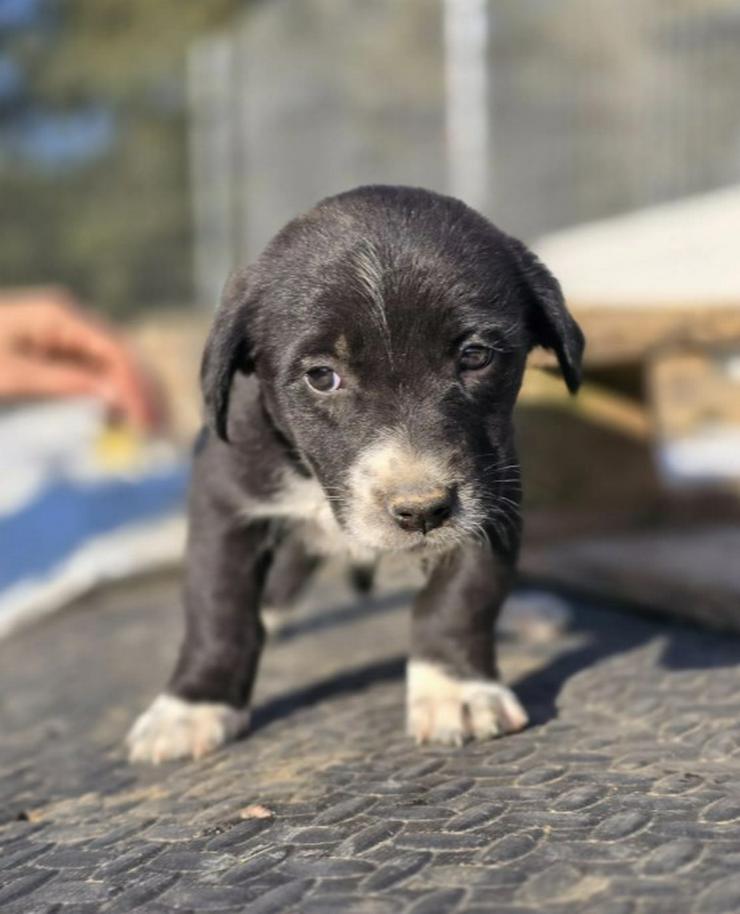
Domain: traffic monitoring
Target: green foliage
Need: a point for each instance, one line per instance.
(117, 228)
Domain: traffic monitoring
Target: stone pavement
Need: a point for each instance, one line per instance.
(622, 796)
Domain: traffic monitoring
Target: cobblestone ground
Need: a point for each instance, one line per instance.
(623, 795)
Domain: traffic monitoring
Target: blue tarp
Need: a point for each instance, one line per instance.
(71, 517)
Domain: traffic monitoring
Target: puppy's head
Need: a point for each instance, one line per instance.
(389, 328)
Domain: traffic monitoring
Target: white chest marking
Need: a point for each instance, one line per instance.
(304, 502)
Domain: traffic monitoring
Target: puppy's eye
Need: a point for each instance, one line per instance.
(323, 379)
(473, 358)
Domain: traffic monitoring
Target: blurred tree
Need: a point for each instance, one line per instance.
(93, 162)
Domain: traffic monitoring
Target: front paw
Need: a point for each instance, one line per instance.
(441, 709)
(172, 728)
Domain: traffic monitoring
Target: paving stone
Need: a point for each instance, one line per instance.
(281, 899)
(447, 900)
(479, 815)
(322, 867)
(404, 866)
(233, 836)
(202, 896)
(74, 891)
(349, 904)
(370, 836)
(343, 810)
(256, 866)
(23, 886)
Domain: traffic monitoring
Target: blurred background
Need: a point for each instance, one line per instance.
(148, 147)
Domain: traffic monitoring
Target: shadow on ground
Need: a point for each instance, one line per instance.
(602, 634)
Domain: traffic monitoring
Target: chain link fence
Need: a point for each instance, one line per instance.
(540, 113)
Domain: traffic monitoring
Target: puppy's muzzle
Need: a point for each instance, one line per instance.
(421, 510)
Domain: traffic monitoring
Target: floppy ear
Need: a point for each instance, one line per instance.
(227, 351)
(550, 321)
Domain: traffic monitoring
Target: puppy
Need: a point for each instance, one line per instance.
(359, 382)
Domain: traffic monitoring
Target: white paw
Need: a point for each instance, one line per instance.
(172, 728)
(275, 619)
(440, 709)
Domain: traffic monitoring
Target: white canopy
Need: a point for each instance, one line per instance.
(680, 254)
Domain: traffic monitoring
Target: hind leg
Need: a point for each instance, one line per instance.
(291, 570)
(362, 577)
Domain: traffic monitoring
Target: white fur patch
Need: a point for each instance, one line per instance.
(303, 500)
(275, 619)
(440, 709)
(371, 275)
(388, 466)
(172, 728)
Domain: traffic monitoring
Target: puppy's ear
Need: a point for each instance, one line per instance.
(550, 321)
(227, 351)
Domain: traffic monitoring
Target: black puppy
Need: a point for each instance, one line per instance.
(386, 333)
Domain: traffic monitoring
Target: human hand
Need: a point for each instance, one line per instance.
(50, 347)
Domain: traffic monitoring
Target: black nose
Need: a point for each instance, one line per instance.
(420, 512)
